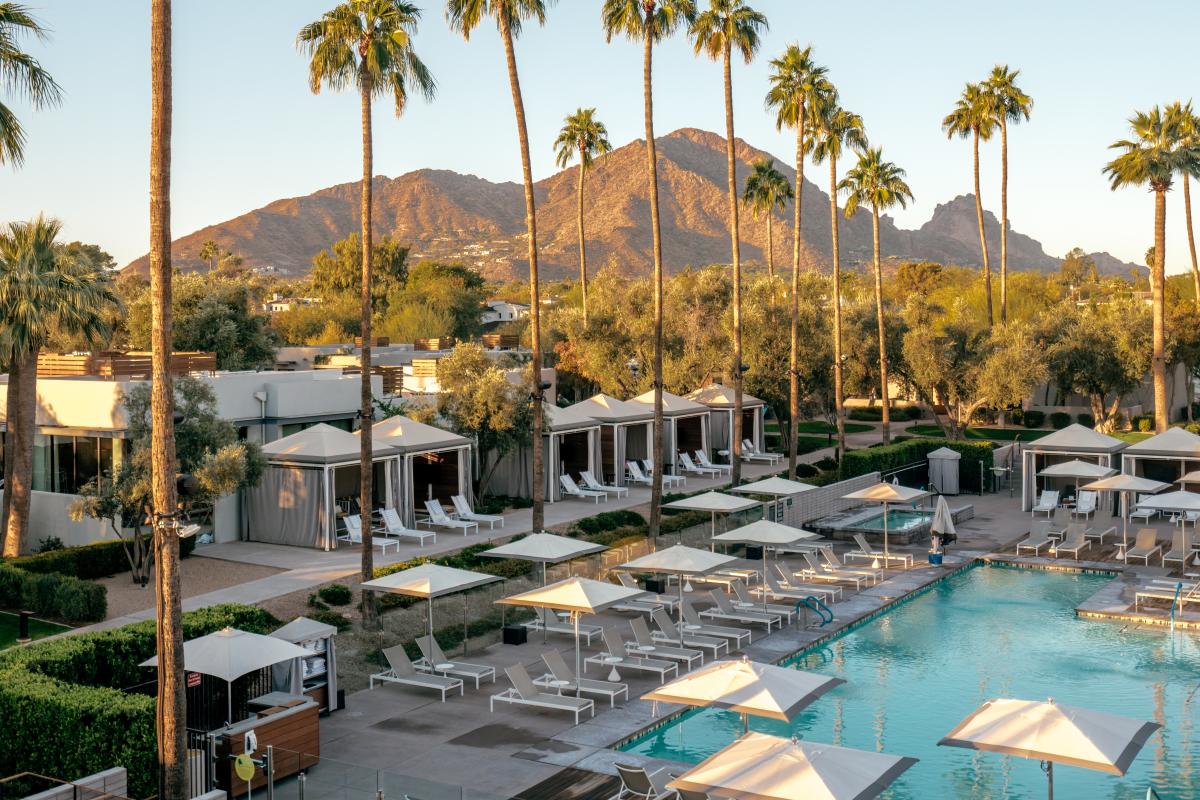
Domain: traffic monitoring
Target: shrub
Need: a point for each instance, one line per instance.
(334, 618)
(608, 521)
(913, 412)
(806, 470)
(983, 416)
(1145, 423)
(1086, 420)
(336, 594)
(50, 543)
(866, 414)
(894, 456)
(1060, 420)
(1033, 419)
(52, 595)
(826, 463)
(89, 561)
(1016, 416)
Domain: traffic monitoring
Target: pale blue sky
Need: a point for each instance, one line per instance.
(247, 130)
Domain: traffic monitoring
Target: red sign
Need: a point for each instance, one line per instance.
(193, 680)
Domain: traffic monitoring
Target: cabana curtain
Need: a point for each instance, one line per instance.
(290, 506)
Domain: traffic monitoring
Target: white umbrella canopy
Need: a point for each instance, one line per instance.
(1080, 470)
(775, 487)
(1173, 501)
(886, 493)
(1191, 477)
(429, 581)
(679, 560)
(762, 767)
(1125, 484)
(716, 502)
(1045, 730)
(768, 534)
(544, 548)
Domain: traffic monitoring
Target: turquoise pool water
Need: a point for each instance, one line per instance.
(913, 673)
(897, 520)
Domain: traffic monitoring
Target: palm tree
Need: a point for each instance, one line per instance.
(974, 116)
(766, 190)
(881, 185)
(1011, 105)
(584, 136)
(21, 73)
(833, 130)
(209, 253)
(464, 16)
(1157, 151)
(796, 84)
(650, 22)
(367, 44)
(726, 25)
(1190, 130)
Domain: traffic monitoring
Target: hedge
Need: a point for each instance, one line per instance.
(89, 561)
(894, 456)
(64, 697)
(52, 595)
(1060, 420)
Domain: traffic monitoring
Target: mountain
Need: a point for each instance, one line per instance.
(449, 216)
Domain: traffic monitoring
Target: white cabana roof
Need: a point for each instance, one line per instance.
(1076, 439)
(229, 653)
(564, 420)
(776, 487)
(545, 548)
(409, 436)
(1125, 483)
(673, 404)
(765, 532)
(679, 560)
(429, 581)
(1047, 731)
(320, 444)
(762, 767)
(747, 687)
(886, 493)
(608, 409)
(714, 502)
(578, 595)
(944, 452)
(1172, 501)
(1171, 443)
(1076, 469)
(302, 629)
(716, 395)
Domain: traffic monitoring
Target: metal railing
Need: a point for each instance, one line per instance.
(201, 762)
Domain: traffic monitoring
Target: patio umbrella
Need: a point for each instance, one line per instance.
(774, 487)
(713, 502)
(886, 493)
(429, 581)
(544, 548)
(1125, 484)
(765, 533)
(1191, 477)
(229, 654)
(679, 560)
(747, 687)
(576, 596)
(762, 767)
(1054, 734)
(1079, 470)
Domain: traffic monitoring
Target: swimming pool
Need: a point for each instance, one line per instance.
(897, 520)
(915, 672)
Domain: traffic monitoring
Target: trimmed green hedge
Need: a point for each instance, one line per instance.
(89, 561)
(64, 698)
(52, 595)
(894, 456)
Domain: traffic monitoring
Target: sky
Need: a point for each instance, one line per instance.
(249, 131)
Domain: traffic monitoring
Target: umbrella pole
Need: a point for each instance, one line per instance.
(679, 616)
(229, 702)
(763, 579)
(543, 573)
(886, 560)
(1124, 524)
(1050, 780)
(578, 656)
(430, 623)
(745, 723)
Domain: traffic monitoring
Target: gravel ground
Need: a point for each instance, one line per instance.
(198, 576)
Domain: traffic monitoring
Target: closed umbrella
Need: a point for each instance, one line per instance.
(943, 521)
(1125, 484)
(886, 493)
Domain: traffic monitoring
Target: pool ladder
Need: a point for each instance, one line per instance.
(823, 612)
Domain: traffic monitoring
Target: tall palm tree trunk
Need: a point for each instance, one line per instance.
(770, 248)
(883, 360)
(366, 474)
(1003, 219)
(656, 237)
(535, 312)
(839, 412)
(735, 434)
(1187, 211)
(987, 268)
(1157, 280)
(794, 354)
(21, 425)
(11, 402)
(582, 245)
(171, 716)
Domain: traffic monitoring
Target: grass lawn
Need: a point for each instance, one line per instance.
(1133, 437)
(818, 426)
(807, 444)
(37, 629)
(992, 434)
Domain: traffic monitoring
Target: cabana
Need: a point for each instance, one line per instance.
(626, 433)
(310, 476)
(685, 425)
(1165, 457)
(433, 464)
(720, 399)
(1072, 442)
(570, 445)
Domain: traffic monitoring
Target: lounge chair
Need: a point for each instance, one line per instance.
(563, 678)
(590, 482)
(667, 478)
(667, 631)
(1059, 523)
(688, 794)
(724, 609)
(390, 524)
(638, 784)
(354, 535)
(1180, 549)
(525, 693)
(1073, 541)
(702, 460)
(547, 621)
(1085, 504)
(624, 655)
(831, 558)
(747, 600)
(1172, 593)
(787, 587)
(1145, 544)
(464, 511)
(645, 644)
(439, 517)
(634, 474)
(435, 661)
(1038, 538)
(689, 467)
(822, 572)
(1099, 533)
(402, 671)
(667, 601)
(1142, 514)
(865, 551)
(571, 489)
(1046, 503)
(694, 624)
(761, 455)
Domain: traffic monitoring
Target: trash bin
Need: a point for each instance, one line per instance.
(754, 552)
(656, 585)
(935, 558)
(514, 634)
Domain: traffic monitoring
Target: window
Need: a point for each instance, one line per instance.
(64, 464)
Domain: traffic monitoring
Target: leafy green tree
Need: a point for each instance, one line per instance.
(337, 272)
(1078, 268)
(91, 256)
(1011, 104)
(21, 74)
(917, 277)
(583, 137)
(330, 322)
(437, 300)
(766, 191)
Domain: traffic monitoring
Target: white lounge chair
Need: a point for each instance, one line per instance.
(1046, 503)
(562, 678)
(1073, 541)
(439, 517)
(1141, 514)
(634, 474)
(525, 693)
(571, 489)
(354, 535)
(1180, 549)
(435, 661)
(817, 571)
(667, 478)
(695, 624)
(590, 482)
(747, 600)
(390, 524)
(624, 655)
(1099, 533)
(774, 589)
(1038, 537)
(1145, 544)
(665, 600)
(402, 671)
(645, 644)
(639, 784)
(464, 511)
(865, 551)
(689, 467)
(667, 631)
(547, 621)
(749, 448)
(831, 558)
(724, 609)
(702, 460)
(1085, 504)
